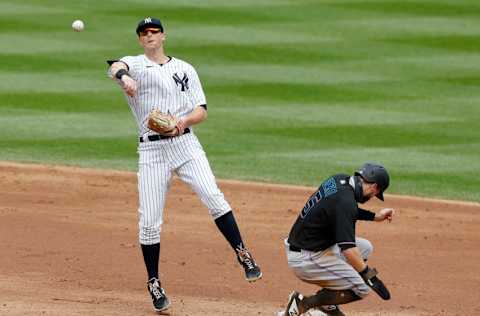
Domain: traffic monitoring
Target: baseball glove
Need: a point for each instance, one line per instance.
(370, 277)
(163, 124)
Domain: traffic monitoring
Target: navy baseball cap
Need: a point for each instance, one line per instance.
(375, 173)
(149, 22)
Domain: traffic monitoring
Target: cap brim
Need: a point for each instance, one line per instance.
(149, 26)
(380, 196)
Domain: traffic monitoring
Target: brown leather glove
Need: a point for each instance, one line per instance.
(163, 124)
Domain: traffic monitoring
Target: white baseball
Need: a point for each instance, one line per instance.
(78, 25)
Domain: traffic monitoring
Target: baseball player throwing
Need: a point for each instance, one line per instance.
(154, 81)
(322, 248)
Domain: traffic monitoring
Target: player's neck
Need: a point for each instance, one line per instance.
(157, 56)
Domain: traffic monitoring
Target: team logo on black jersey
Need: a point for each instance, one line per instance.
(312, 201)
(327, 188)
(182, 82)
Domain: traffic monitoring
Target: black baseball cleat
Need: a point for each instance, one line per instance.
(331, 310)
(294, 305)
(159, 298)
(252, 270)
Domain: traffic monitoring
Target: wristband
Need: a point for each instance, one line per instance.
(120, 74)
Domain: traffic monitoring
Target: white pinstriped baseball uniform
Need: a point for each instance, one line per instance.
(174, 88)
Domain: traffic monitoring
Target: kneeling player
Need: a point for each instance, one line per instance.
(322, 248)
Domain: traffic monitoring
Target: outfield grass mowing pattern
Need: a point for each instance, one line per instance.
(297, 90)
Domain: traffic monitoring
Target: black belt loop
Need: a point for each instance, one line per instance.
(156, 137)
(294, 249)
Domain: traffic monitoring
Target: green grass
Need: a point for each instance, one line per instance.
(297, 89)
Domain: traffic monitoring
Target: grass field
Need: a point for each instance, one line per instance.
(297, 90)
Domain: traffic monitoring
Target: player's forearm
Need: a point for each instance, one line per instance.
(354, 258)
(119, 72)
(115, 68)
(365, 215)
(198, 115)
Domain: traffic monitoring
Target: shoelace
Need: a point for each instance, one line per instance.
(249, 263)
(245, 257)
(156, 291)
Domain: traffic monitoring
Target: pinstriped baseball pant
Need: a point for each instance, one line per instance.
(329, 268)
(158, 161)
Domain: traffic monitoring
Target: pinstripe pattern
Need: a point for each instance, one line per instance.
(158, 161)
(176, 89)
(158, 89)
(328, 268)
(198, 175)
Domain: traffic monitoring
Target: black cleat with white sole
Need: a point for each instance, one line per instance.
(252, 270)
(159, 298)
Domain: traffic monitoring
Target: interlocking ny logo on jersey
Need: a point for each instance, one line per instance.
(183, 82)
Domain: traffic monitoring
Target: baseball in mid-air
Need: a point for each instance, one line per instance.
(78, 25)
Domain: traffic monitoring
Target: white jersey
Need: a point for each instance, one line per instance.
(173, 87)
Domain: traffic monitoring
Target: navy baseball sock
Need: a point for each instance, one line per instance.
(228, 226)
(151, 255)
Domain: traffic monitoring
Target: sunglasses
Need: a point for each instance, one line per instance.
(145, 32)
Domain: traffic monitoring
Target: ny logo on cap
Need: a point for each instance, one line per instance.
(183, 82)
(147, 20)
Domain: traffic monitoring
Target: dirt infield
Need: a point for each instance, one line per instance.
(68, 246)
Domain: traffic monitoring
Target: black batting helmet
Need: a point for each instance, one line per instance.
(375, 173)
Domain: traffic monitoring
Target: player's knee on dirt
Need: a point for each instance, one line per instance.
(329, 297)
(362, 290)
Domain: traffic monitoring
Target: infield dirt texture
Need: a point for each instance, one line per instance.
(68, 239)
(297, 90)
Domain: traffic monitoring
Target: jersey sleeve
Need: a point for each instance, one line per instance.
(196, 91)
(365, 215)
(345, 225)
(134, 64)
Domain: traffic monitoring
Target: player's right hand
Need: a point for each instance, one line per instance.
(129, 86)
(385, 214)
(181, 126)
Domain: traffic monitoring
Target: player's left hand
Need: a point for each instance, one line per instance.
(385, 214)
(370, 277)
(162, 123)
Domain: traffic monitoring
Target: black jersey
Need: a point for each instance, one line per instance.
(328, 217)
